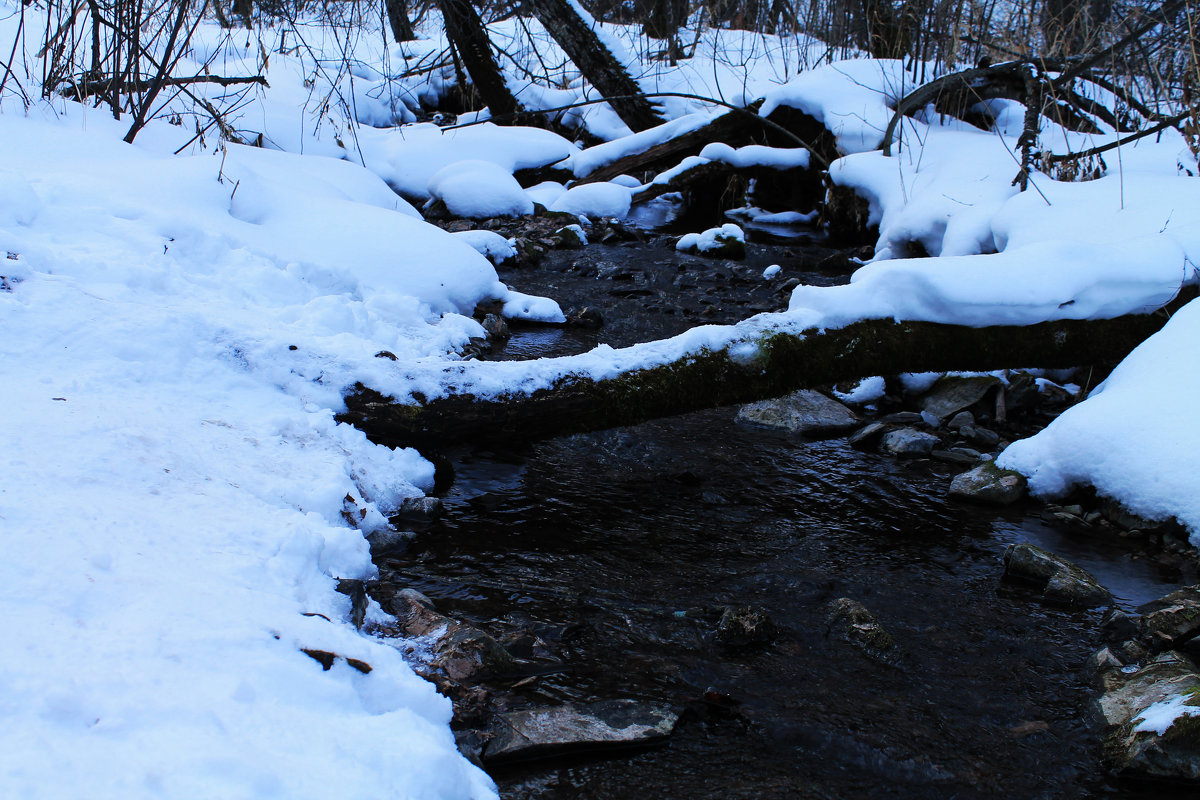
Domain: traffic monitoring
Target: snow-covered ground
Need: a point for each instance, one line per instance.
(178, 331)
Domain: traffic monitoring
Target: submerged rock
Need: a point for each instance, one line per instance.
(420, 509)
(908, 443)
(744, 626)
(953, 393)
(570, 729)
(851, 621)
(1060, 580)
(989, 484)
(806, 411)
(457, 650)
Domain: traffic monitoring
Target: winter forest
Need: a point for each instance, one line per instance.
(599, 399)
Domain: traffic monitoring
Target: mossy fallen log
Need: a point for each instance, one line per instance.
(769, 364)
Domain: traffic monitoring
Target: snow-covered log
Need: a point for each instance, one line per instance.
(737, 369)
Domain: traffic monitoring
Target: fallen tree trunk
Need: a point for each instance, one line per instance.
(754, 365)
(598, 64)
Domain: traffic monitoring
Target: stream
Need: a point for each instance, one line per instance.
(617, 552)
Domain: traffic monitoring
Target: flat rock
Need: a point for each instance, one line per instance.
(989, 484)
(550, 731)
(953, 393)
(1060, 580)
(806, 411)
(868, 436)
(908, 443)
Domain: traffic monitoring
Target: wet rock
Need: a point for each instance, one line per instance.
(1118, 626)
(1118, 515)
(955, 456)
(903, 418)
(980, 436)
(868, 436)
(1021, 393)
(1059, 580)
(387, 540)
(357, 592)
(1170, 621)
(1152, 717)
(1128, 690)
(585, 318)
(960, 419)
(457, 650)
(805, 411)
(851, 621)
(571, 729)
(744, 626)
(989, 484)
(953, 393)
(420, 509)
(908, 443)
(496, 328)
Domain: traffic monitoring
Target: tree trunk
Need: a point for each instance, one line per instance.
(397, 14)
(465, 30)
(596, 62)
(752, 367)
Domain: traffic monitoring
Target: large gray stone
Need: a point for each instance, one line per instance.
(1059, 579)
(805, 411)
(568, 729)
(953, 393)
(1168, 681)
(989, 484)
(908, 443)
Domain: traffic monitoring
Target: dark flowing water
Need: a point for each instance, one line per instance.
(618, 550)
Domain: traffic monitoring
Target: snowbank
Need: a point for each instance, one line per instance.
(1135, 438)
(177, 334)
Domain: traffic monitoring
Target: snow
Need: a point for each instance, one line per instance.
(1160, 716)
(489, 244)
(710, 240)
(1134, 438)
(408, 159)
(595, 200)
(772, 271)
(476, 189)
(179, 332)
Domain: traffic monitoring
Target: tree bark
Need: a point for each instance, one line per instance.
(397, 14)
(597, 63)
(776, 363)
(465, 30)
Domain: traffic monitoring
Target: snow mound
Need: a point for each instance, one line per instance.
(595, 200)
(477, 189)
